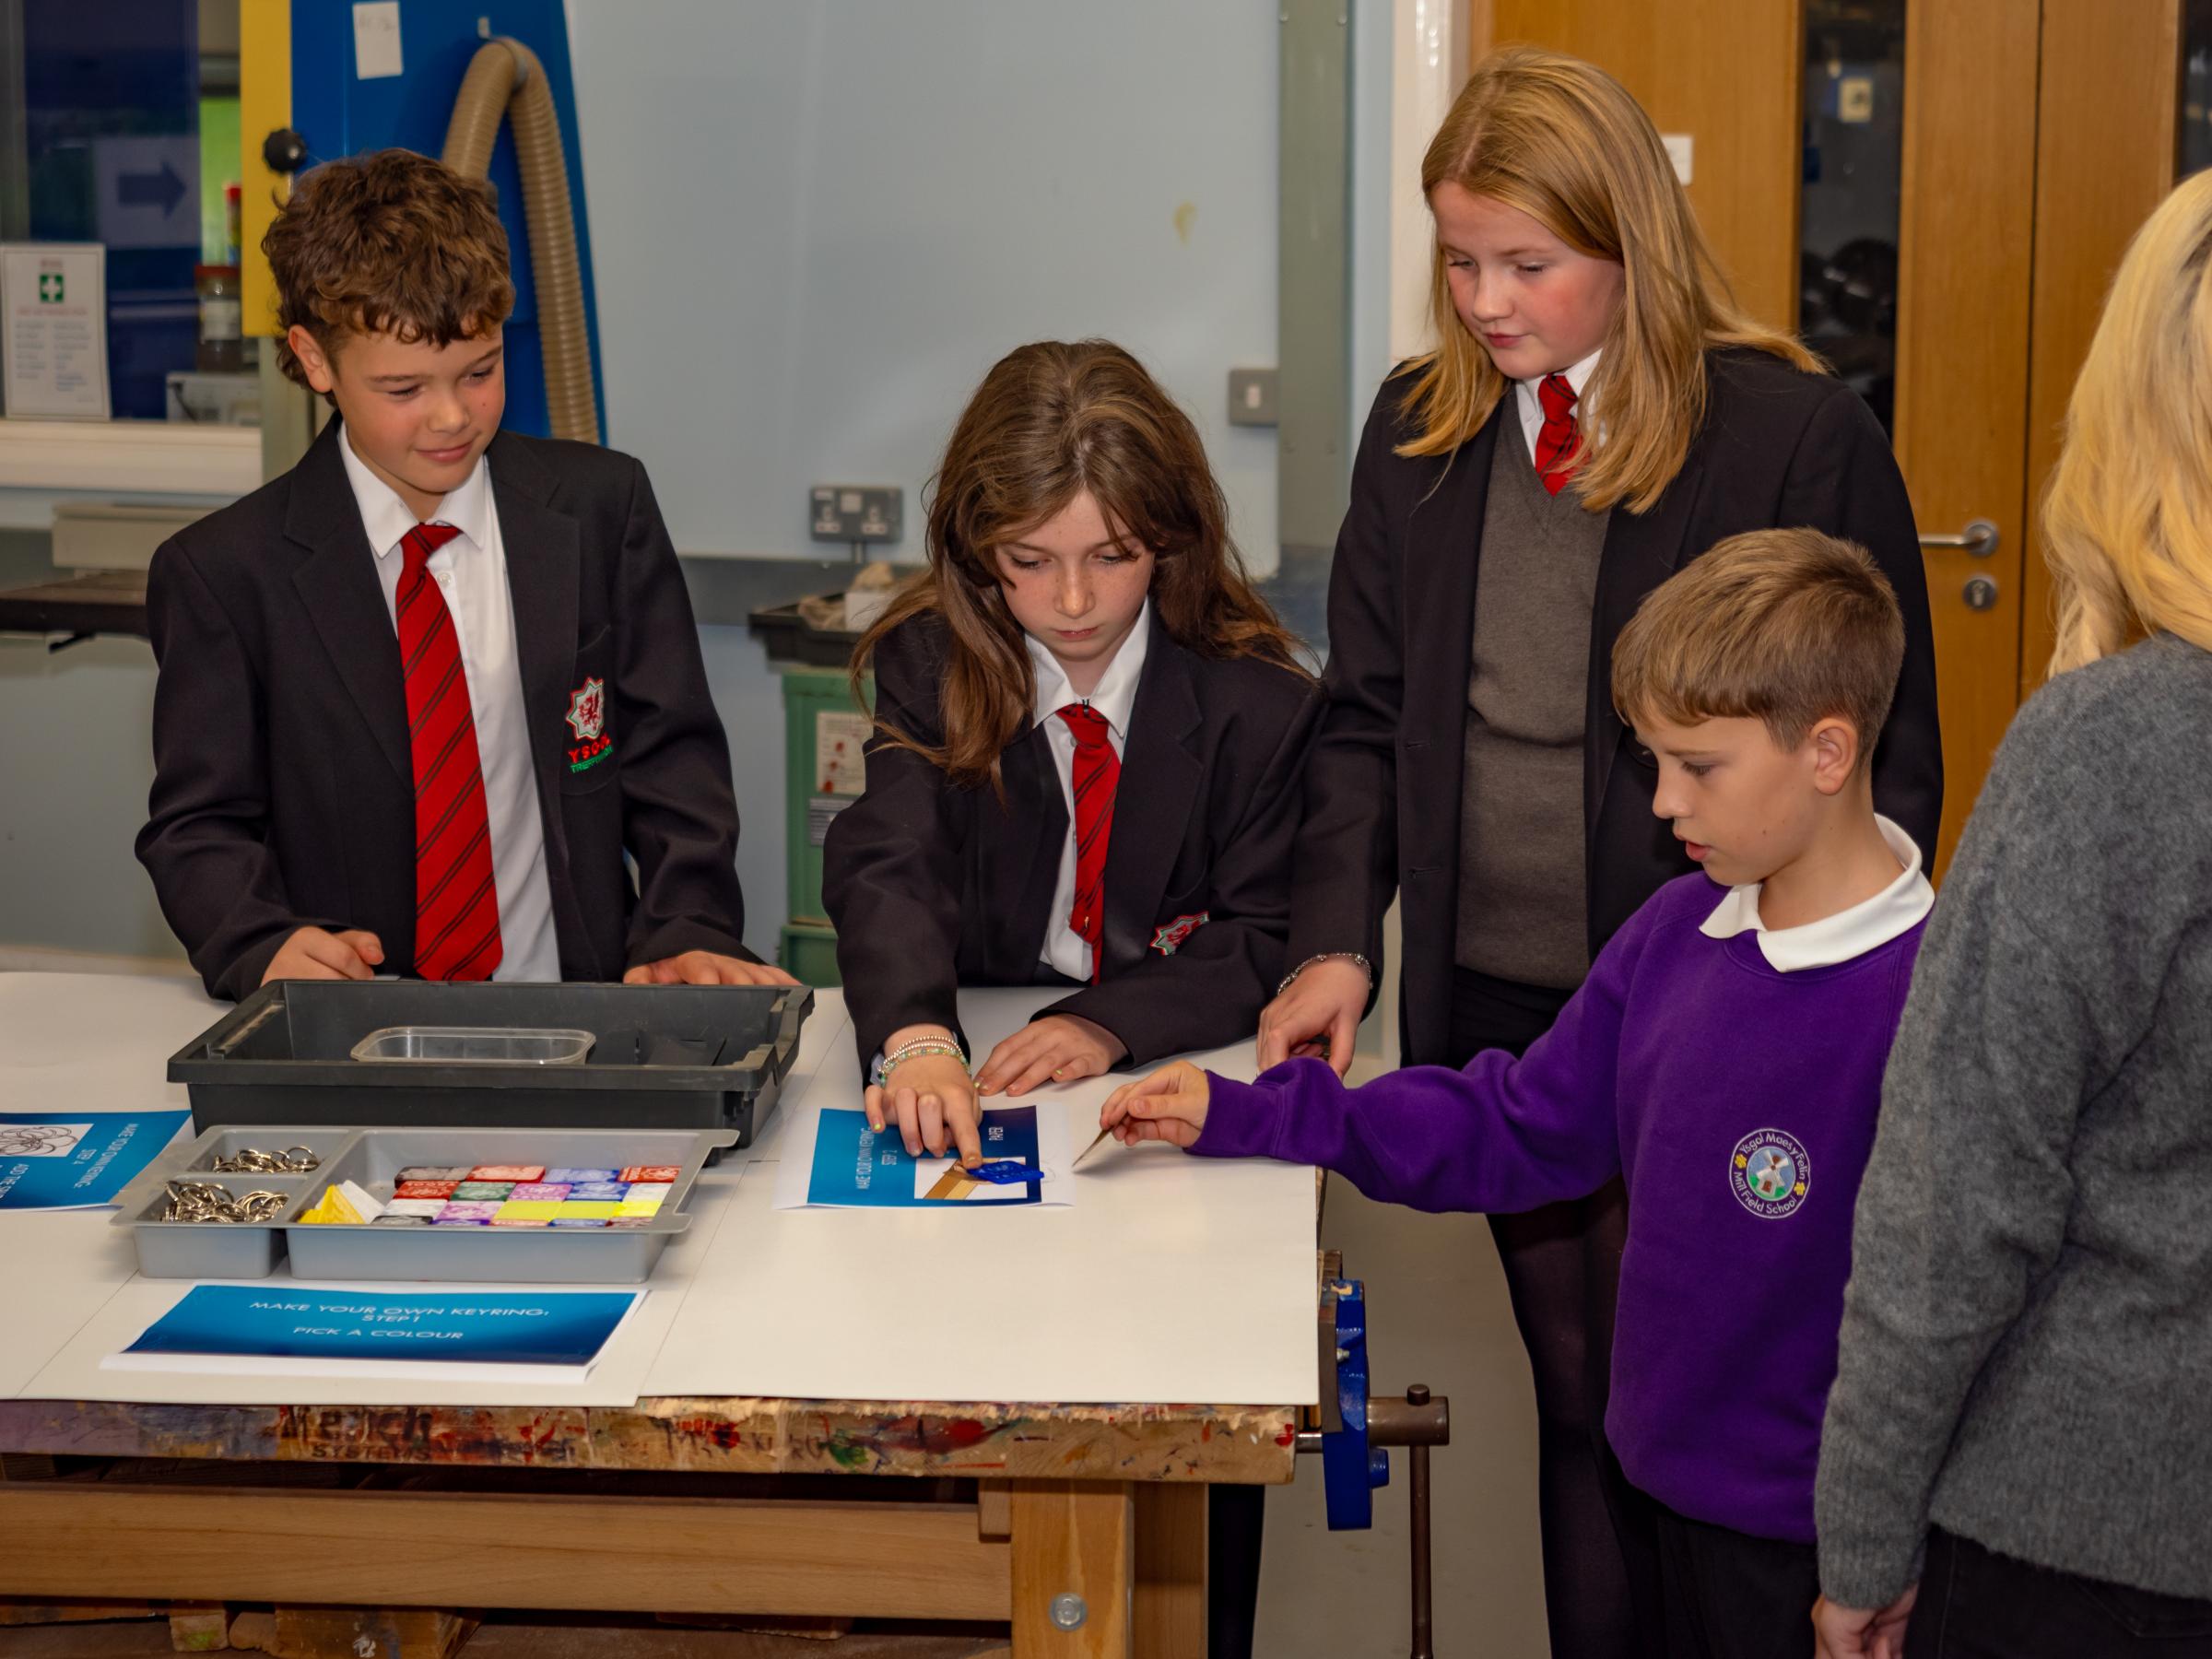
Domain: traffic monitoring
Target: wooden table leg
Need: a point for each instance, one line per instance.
(1170, 1600)
(1074, 1566)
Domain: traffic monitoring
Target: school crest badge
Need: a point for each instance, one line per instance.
(1770, 1172)
(1170, 937)
(587, 709)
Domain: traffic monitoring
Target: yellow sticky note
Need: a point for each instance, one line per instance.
(582, 1209)
(530, 1210)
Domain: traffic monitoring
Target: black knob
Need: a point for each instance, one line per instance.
(283, 150)
(1417, 1395)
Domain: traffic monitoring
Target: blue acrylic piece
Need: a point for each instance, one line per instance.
(1350, 1468)
(1006, 1172)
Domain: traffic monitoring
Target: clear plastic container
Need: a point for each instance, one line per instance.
(474, 1045)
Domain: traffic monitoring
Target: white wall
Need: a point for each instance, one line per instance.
(815, 223)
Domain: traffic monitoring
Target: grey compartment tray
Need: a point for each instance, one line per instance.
(662, 1057)
(372, 1157)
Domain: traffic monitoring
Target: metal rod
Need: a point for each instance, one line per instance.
(1424, 1640)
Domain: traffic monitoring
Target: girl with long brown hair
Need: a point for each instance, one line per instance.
(1597, 412)
(1090, 730)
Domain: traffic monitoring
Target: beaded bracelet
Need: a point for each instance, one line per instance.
(914, 1050)
(1352, 957)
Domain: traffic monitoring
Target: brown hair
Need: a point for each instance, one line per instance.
(1051, 420)
(387, 241)
(1789, 626)
(1563, 142)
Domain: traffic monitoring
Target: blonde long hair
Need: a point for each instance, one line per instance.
(2127, 523)
(1564, 143)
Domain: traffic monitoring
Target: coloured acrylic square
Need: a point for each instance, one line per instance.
(577, 1210)
(577, 1177)
(452, 1220)
(632, 1222)
(600, 1190)
(539, 1189)
(640, 1207)
(425, 1189)
(434, 1173)
(461, 1210)
(579, 1221)
(662, 1174)
(390, 1219)
(539, 1209)
(508, 1172)
(648, 1192)
(504, 1219)
(424, 1208)
(494, 1191)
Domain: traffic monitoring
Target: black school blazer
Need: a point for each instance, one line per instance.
(1779, 448)
(934, 887)
(283, 786)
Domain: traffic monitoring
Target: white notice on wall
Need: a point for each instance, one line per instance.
(53, 344)
(376, 40)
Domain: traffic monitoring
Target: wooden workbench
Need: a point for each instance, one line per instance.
(705, 1505)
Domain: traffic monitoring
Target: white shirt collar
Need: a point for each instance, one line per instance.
(387, 519)
(1851, 932)
(1116, 693)
(1578, 376)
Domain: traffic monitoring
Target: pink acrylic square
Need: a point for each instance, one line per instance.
(540, 1189)
(508, 1172)
(518, 1221)
(458, 1211)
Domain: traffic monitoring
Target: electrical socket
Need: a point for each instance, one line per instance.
(1253, 397)
(855, 513)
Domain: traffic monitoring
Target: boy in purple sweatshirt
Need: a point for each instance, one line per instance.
(1724, 1056)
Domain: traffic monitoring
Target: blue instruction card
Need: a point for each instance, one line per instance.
(555, 1332)
(78, 1159)
(855, 1167)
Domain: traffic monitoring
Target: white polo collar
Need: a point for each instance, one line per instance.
(1116, 693)
(387, 519)
(1897, 908)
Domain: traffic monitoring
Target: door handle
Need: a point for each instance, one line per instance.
(1979, 538)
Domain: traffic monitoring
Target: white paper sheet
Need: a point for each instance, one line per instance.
(1174, 1279)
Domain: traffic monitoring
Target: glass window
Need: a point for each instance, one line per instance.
(131, 139)
(1854, 129)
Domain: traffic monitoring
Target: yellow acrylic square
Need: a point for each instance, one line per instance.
(586, 1210)
(640, 1206)
(529, 1209)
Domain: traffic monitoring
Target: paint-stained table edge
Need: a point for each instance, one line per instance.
(720, 1435)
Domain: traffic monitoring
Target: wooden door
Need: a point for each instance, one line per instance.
(2004, 151)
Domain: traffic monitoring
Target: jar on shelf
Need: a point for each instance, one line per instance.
(222, 347)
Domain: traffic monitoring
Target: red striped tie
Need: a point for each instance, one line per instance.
(456, 907)
(1097, 773)
(1556, 441)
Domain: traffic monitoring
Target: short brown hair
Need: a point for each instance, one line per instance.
(1789, 626)
(387, 241)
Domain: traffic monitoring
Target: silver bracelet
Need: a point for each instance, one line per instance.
(1329, 955)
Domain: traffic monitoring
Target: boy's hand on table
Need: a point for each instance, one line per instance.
(313, 953)
(706, 968)
(1860, 1632)
(1059, 1048)
(931, 1099)
(1169, 1105)
(1318, 1015)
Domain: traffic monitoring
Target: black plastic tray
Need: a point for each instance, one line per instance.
(664, 1056)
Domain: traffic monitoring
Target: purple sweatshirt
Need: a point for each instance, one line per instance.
(1738, 1103)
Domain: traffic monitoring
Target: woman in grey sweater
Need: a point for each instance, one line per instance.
(2017, 1452)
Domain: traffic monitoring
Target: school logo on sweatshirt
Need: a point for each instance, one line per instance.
(1769, 1173)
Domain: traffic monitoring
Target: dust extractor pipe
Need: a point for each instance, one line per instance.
(505, 78)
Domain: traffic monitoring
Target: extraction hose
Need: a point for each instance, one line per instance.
(505, 78)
